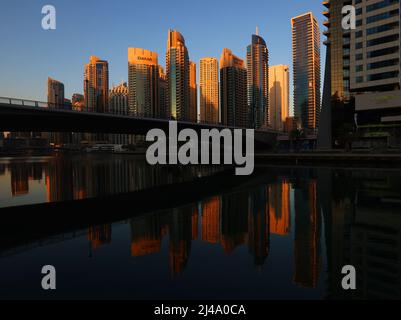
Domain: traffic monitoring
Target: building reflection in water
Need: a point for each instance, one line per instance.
(77, 178)
(99, 236)
(357, 211)
(307, 253)
(230, 221)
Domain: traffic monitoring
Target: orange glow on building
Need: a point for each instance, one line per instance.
(144, 246)
(211, 220)
(307, 255)
(195, 223)
(178, 256)
(99, 235)
(279, 209)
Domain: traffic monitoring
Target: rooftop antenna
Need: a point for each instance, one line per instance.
(257, 30)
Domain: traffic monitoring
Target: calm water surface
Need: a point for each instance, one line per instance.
(286, 234)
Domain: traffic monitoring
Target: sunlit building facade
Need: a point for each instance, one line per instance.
(96, 85)
(178, 69)
(143, 83)
(193, 107)
(118, 104)
(279, 96)
(233, 90)
(306, 68)
(209, 90)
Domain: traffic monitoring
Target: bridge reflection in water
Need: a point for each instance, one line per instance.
(297, 227)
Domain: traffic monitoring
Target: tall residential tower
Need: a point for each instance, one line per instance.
(177, 65)
(209, 90)
(279, 96)
(306, 66)
(96, 85)
(233, 90)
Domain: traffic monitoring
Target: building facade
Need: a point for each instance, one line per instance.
(55, 94)
(96, 85)
(177, 69)
(143, 83)
(279, 96)
(163, 103)
(233, 91)
(258, 82)
(209, 90)
(306, 68)
(193, 96)
(118, 104)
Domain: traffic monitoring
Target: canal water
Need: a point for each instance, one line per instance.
(284, 235)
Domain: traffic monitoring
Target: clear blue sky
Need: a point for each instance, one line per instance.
(107, 28)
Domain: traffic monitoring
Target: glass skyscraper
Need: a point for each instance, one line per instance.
(306, 66)
(258, 82)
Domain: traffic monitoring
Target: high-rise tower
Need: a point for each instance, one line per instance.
(279, 96)
(177, 64)
(143, 83)
(96, 85)
(193, 96)
(258, 82)
(233, 90)
(306, 66)
(209, 90)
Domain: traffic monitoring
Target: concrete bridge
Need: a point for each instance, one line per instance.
(18, 115)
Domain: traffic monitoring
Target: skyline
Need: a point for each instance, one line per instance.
(67, 66)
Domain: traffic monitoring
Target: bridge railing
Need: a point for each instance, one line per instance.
(32, 103)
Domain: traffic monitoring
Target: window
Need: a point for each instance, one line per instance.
(383, 28)
(382, 40)
(359, 68)
(359, 56)
(358, 45)
(382, 52)
(383, 64)
(358, 34)
(383, 76)
(359, 79)
(379, 5)
(382, 16)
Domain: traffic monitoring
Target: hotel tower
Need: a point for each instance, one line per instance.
(143, 83)
(178, 73)
(306, 66)
(209, 90)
